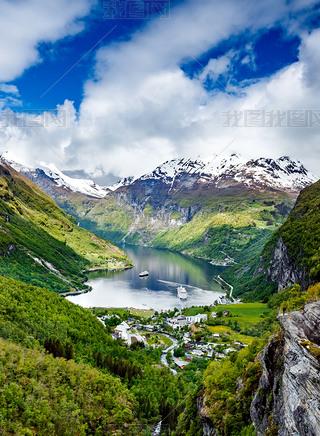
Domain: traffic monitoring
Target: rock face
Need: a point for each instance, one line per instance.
(207, 425)
(282, 270)
(287, 402)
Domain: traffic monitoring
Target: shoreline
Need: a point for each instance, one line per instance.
(101, 268)
(94, 269)
(79, 292)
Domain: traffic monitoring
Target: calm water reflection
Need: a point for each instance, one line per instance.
(158, 291)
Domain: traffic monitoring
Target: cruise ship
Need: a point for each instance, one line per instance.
(182, 293)
(144, 274)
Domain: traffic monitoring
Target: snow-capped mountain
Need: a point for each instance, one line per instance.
(123, 182)
(282, 174)
(50, 174)
(84, 186)
(184, 203)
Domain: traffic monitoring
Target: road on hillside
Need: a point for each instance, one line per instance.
(169, 350)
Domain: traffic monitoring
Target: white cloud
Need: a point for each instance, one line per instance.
(9, 89)
(141, 109)
(23, 25)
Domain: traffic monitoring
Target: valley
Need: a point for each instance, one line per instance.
(159, 218)
(218, 209)
(170, 367)
(42, 245)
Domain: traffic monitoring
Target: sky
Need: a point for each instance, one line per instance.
(113, 88)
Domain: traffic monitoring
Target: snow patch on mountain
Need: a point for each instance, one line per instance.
(280, 174)
(123, 182)
(83, 186)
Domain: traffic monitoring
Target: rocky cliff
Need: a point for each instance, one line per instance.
(287, 402)
(290, 256)
(283, 270)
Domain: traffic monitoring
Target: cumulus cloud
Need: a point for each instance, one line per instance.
(141, 108)
(9, 89)
(144, 108)
(24, 24)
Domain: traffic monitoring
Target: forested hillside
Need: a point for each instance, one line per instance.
(44, 395)
(39, 392)
(291, 255)
(42, 245)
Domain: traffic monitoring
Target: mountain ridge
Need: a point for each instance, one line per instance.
(285, 172)
(190, 206)
(213, 170)
(41, 244)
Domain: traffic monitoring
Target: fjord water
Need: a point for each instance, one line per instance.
(158, 291)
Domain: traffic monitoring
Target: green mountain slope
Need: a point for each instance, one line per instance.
(230, 229)
(221, 227)
(41, 244)
(34, 318)
(43, 395)
(223, 210)
(291, 255)
(301, 233)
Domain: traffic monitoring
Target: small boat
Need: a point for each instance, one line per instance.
(144, 274)
(182, 293)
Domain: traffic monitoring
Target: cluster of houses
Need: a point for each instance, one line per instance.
(182, 320)
(127, 332)
(206, 349)
(123, 331)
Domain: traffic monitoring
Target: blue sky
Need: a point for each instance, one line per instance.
(58, 57)
(137, 92)
(273, 49)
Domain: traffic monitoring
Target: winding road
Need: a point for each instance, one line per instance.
(228, 284)
(169, 350)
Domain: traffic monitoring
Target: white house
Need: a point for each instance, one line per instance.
(122, 331)
(178, 322)
(197, 318)
(181, 320)
(197, 352)
(179, 362)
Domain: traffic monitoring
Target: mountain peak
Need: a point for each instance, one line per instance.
(283, 174)
(57, 177)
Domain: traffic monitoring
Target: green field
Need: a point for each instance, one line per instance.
(143, 313)
(246, 309)
(231, 334)
(156, 338)
(220, 329)
(191, 311)
(246, 314)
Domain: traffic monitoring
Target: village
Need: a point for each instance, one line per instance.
(181, 338)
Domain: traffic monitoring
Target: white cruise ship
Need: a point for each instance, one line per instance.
(182, 293)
